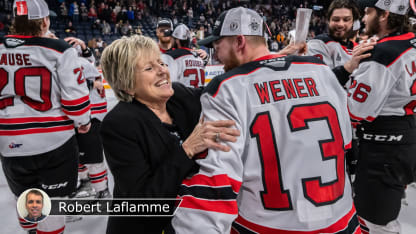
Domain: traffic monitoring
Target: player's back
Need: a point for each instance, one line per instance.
(42, 89)
(185, 66)
(295, 128)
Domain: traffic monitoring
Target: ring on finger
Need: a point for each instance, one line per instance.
(217, 137)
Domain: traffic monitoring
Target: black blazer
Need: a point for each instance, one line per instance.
(144, 158)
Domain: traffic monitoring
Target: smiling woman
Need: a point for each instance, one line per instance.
(152, 134)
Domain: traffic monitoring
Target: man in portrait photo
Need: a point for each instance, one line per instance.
(34, 205)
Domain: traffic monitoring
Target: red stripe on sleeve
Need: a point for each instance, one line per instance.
(58, 231)
(98, 174)
(75, 102)
(213, 181)
(221, 206)
(77, 113)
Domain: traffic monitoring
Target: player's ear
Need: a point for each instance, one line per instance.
(384, 16)
(241, 41)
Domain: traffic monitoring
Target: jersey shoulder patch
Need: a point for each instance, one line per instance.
(49, 43)
(178, 53)
(276, 64)
(389, 49)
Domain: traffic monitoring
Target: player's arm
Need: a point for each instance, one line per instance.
(209, 197)
(359, 53)
(86, 52)
(319, 49)
(74, 91)
(369, 90)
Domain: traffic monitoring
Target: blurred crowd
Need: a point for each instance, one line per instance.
(115, 18)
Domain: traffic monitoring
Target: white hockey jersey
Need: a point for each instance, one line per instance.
(42, 94)
(286, 172)
(385, 83)
(185, 66)
(97, 98)
(333, 53)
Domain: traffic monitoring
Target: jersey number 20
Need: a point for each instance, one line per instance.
(19, 85)
(274, 196)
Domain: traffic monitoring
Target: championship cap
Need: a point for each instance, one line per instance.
(399, 7)
(34, 9)
(165, 23)
(181, 32)
(236, 21)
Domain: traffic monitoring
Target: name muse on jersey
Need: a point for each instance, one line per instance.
(286, 89)
(15, 59)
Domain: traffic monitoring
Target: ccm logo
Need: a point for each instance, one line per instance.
(54, 186)
(387, 138)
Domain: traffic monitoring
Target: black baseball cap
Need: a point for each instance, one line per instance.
(165, 22)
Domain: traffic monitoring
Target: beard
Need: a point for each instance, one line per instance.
(372, 27)
(165, 40)
(231, 62)
(348, 34)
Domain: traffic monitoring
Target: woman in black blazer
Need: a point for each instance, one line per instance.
(151, 135)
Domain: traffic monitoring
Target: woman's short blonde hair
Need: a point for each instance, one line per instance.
(119, 61)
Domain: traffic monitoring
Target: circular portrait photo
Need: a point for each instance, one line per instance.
(33, 205)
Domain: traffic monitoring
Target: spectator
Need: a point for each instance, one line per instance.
(106, 28)
(63, 11)
(84, 12)
(74, 11)
(70, 29)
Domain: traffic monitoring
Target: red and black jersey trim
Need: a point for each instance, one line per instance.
(207, 192)
(278, 63)
(48, 43)
(345, 225)
(98, 108)
(33, 125)
(391, 48)
(27, 225)
(175, 54)
(76, 107)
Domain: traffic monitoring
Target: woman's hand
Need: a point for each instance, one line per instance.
(208, 135)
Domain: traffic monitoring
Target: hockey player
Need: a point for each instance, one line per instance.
(42, 97)
(185, 65)
(286, 172)
(336, 49)
(383, 98)
(164, 30)
(92, 171)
